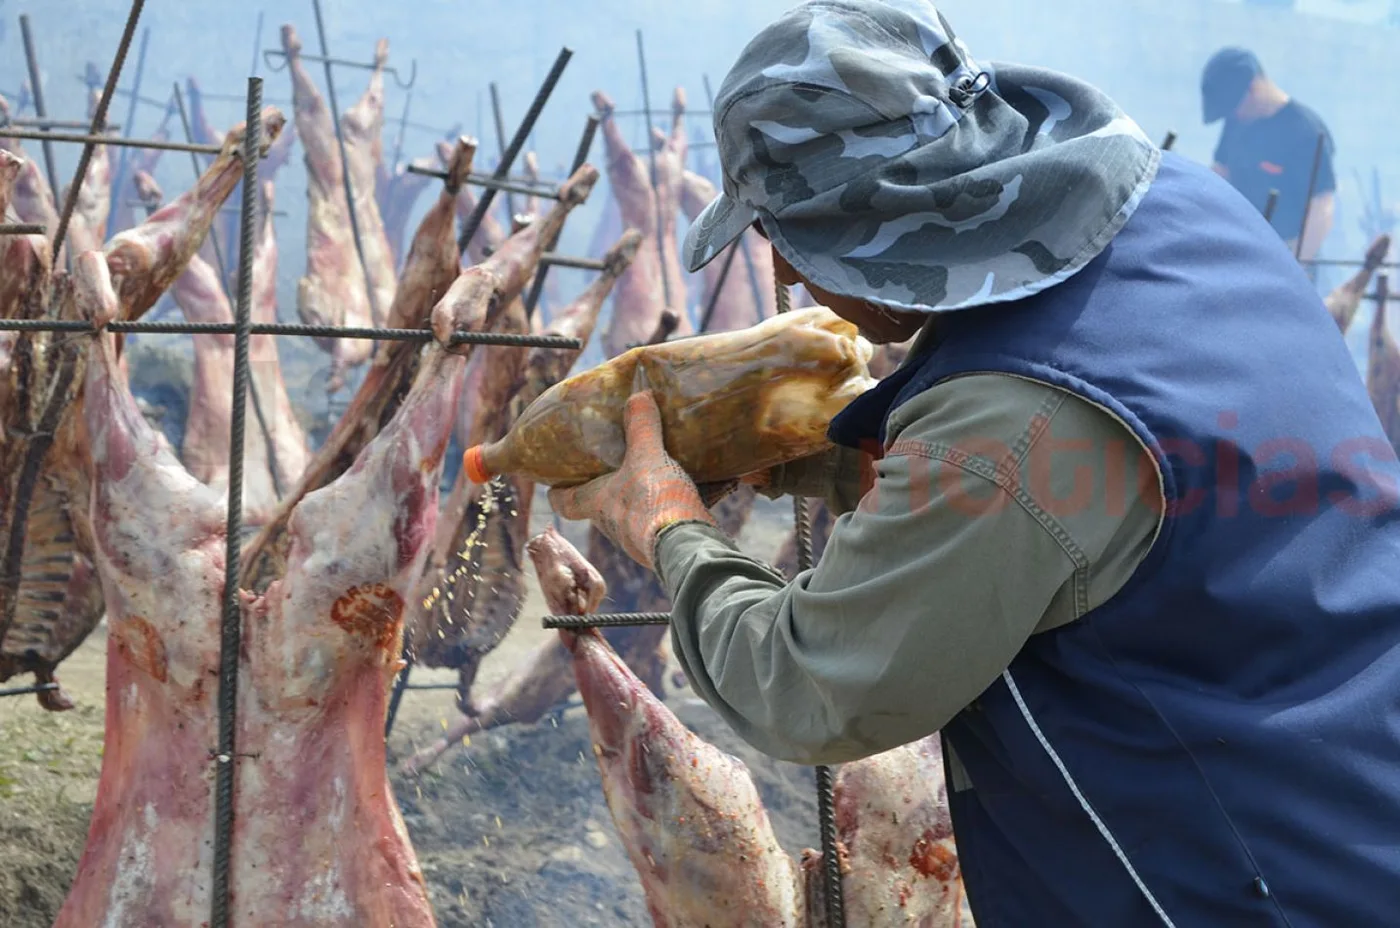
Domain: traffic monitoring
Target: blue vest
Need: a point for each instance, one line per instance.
(1219, 744)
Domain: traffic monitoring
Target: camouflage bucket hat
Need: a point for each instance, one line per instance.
(885, 164)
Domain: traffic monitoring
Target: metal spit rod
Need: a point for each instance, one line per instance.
(375, 309)
(585, 145)
(99, 119)
(522, 133)
(36, 87)
(231, 628)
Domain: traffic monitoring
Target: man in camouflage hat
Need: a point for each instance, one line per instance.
(1136, 569)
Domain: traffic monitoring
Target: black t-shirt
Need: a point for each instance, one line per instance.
(1276, 153)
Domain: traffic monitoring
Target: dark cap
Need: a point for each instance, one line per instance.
(1226, 80)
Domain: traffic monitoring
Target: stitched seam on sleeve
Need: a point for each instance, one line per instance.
(1005, 475)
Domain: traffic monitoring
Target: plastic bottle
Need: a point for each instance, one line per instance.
(731, 403)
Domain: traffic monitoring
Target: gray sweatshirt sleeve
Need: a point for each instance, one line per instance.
(997, 513)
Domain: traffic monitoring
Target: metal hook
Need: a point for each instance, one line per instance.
(271, 53)
(412, 76)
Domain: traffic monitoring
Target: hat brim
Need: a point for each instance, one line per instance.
(720, 223)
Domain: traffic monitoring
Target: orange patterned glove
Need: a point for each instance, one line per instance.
(647, 493)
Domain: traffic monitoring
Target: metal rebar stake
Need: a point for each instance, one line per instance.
(826, 798)
(735, 247)
(655, 189)
(396, 695)
(1169, 141)
(375, 310)
(230, 639)
(403, 130)
(501, 141)
(585, 145)
(755, 284)
(1307, 204)
(36, 87)
(123, 159)
(522, 133)
(99, 119)
(1270, 205)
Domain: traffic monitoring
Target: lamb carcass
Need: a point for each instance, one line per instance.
(334, 291)
(899, 863)
(362, 127)
(642, 293)
(746, 297)
(146, 260)
(318, 837)
(473, 583)
(396, 362)
(44, 607)
(289, 451)
(1344, 301)
(32, 198)
(489, 235)
(125, 210)
(688, 814)
(49, 600)
(398, 195)
(205, 453)
(1383, 374)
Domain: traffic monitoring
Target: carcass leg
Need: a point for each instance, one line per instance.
(160, 554)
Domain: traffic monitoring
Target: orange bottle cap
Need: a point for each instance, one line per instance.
(474, 462)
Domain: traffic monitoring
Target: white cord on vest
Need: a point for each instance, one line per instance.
(1083, 803)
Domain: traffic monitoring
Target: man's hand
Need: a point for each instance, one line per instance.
(647, 493)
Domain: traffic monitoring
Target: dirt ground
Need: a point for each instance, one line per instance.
(511, 830)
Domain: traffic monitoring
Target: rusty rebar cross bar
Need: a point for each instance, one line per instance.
(584, 264)
(293, 329)
(491, 183)
(26, 690)
(607, 620)
(325, 59)
(22, 123)
(22, 228)
(89, 138)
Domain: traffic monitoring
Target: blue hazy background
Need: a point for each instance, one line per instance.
(1339, 56)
